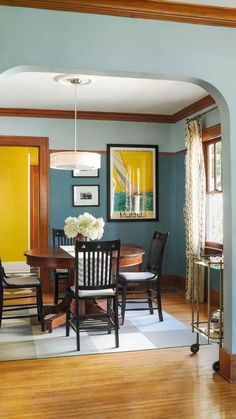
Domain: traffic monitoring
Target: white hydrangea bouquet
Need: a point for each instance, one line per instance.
(85, 224)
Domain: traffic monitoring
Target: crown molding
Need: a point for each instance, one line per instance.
(145, 9)
(91, 115)
(109, 116)
(195, 107)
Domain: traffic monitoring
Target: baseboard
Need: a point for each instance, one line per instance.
(215, 297)
(175, 281)
(228, 366)
(178, 282)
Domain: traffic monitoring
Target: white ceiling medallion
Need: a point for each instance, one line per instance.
(71, 160)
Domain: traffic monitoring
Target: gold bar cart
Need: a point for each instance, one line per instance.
(207, 327)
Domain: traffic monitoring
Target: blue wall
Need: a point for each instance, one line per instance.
(95, 135)
(170, 138)
(91, 134)
(130, 47)
(137, 232)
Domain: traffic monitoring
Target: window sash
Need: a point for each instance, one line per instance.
(213, 155)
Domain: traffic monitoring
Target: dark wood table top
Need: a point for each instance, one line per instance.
(49, 257)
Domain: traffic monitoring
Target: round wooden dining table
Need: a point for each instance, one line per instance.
(56, 258)
(46, 258)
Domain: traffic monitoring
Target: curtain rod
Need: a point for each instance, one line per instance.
(201, 114)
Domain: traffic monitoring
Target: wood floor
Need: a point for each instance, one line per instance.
(169, 383)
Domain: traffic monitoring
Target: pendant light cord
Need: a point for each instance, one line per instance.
(75, 115)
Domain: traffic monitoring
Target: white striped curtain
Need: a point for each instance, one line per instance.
(194, 207)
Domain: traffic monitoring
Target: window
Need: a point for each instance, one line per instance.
(214, 193)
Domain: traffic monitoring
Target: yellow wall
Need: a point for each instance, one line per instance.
(14, 203)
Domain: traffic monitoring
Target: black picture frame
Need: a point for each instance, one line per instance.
(132, 183)
(85, 195)
(85, 173)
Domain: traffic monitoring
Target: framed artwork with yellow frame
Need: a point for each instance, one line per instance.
(132, 182)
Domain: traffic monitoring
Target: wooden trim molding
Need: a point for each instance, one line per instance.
(179, 282)
(89, 115)
(146, 9)
(193, 108)
(228, 366)
(109, 116)
(211, 133)
(173, 280)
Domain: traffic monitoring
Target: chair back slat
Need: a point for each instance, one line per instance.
(156, 252)
(97, 264)
(60, 239)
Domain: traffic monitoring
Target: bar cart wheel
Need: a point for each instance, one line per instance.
(216, 366)
(194, 348)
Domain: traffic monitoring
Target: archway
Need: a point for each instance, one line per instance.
(226, 176)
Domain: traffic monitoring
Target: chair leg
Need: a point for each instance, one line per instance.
(67, 315)
(77, 324)
(159, 301)
(1, 305)
(110, 309)
(116, 320)
(56, 289)
(123, 302)
(149, 294)
(38, 304)
(40, 307)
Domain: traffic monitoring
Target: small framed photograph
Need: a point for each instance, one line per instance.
(85, 173)
(86, 195)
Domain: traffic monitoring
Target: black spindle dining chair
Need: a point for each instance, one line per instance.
(148, 279)
(10, 306)
(60, 239)
(97, 267)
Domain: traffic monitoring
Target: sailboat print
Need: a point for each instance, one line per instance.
(127, 195)
(133, 182)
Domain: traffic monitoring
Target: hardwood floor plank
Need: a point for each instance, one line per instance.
(168, 383)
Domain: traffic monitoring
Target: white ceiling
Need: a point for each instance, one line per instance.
(39, 90)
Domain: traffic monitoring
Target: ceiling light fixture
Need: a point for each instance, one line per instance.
(71, 160)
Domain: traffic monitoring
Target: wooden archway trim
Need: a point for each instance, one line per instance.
(174, 11)
(42, 144)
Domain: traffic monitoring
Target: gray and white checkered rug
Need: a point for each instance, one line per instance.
(23, 339)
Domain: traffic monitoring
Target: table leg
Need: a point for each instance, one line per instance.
(55, 315)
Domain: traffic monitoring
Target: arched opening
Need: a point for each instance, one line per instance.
(224, 119)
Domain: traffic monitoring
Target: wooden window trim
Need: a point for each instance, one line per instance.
(206, 160)
(211, 135)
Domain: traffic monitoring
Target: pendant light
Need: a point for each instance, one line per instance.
(74, 160)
